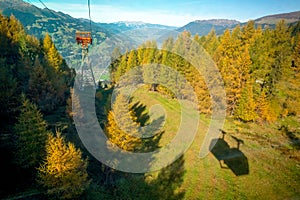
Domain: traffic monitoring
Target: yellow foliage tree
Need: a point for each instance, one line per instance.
(64, 171)
(265, 112)
(54, 58)
(47, 43)
(246, 106)
(121, 125)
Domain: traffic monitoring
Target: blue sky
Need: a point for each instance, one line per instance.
(171, 12)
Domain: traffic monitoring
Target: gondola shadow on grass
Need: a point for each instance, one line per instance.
(230, 157)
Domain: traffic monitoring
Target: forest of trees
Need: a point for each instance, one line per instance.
(39, 145)
(260, 69)
(35, 82)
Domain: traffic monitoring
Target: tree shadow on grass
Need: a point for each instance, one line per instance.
(294, 140)
(164, 184)
(139, 111)
(169, 180)
(233, 158)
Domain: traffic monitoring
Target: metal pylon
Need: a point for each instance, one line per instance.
(87, 75)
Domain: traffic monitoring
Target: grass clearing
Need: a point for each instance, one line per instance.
(274, 171)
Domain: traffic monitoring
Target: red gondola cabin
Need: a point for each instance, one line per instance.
(84, 38)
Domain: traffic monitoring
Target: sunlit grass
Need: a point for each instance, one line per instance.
(272, 173)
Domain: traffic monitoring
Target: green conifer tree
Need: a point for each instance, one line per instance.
(31, 132)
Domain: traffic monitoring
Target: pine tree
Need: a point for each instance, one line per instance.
(265, 112)
(150, 53)
(121, 69)
(8, 89)
(167, 62)
(296, 55)
(281, 54)
(63, 172)
(244, 64)
(245, 110)
(248, 32)
(115, 61)
(132, 60)
(31, 132)
(45, 87)
(135, 74)
(122, 125)
(54, 58)
(290, 83)
(211, 42)
(47, 43)
(225, 57)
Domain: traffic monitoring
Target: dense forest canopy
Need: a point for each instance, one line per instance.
(259, 69)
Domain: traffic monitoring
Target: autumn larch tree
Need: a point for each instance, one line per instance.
(63, 172)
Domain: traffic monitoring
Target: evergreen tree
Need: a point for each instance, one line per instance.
(246, 106)
(63, 172)
(8, 89)
(244, 64)
(47, 43)
(132, 60)
(248, 32)
(54, 58)
(296, 55)
(45, 88)
(121, 69)
(265, 112)
(31, 132)
(122, 125)
(211, 42)
(225, 58)
(115, 61)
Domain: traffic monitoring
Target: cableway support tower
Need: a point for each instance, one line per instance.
(87, 77)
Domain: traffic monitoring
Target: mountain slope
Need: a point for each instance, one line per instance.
(203, 27)
(60, 26)
(291, 17)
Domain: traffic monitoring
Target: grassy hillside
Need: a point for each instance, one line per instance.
(266, 166)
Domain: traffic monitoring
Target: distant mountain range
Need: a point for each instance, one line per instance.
(291, 17)
(117, 27)
(203, 27)
(62, 27)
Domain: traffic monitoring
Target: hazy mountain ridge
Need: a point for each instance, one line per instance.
(203, 27)
(218, 22)
(122, 26)
(291, 17)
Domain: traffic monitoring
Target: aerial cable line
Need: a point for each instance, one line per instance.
(43, 4)
(89, 5)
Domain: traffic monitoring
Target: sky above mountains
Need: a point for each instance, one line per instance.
(172, 13)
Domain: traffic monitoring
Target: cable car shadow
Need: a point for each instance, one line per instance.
(233, 158)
